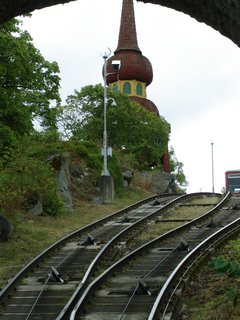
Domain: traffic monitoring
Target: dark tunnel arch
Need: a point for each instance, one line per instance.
(222, 15)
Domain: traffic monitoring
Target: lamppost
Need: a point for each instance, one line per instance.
(212, 169)
(107, 181)
(105, 171)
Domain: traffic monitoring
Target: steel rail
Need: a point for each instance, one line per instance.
(74, 297)
(183, 268)
(92, 267)
(146, 276)
(95, 283)
(173, 250)
(5, 291)
(39, 295)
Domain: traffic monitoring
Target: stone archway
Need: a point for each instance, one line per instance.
(222, 15)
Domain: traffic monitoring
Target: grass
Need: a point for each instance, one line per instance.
(211, 200)
(189, 212)
(207, 297)
(154, 231)
(180, 212)
(32, 234)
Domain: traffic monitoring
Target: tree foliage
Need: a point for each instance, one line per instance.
(130, 127)
(28, 84)
(176, 168)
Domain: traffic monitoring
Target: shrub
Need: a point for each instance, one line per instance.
(21, 177)
(114, 169)
(229, 269)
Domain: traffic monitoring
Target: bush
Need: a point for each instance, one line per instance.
(114, 169)
(90, 152)
(21, 177)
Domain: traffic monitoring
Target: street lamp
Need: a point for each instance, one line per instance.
(212, 170)
(107, 183)
(107, 151)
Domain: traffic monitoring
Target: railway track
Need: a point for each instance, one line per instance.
(138, 285)
(167, 304)
(50, 286)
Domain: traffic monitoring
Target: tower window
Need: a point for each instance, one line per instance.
(127, 88)
(139, 89)
(115, 87)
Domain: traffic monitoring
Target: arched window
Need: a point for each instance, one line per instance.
(139, 89)
(115, 87)
(127, 88)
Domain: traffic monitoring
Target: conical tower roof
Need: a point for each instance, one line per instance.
(135, 69)
(134, 66)
(127, 39)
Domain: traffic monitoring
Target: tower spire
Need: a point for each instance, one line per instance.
(127, 34)
(136, 72)
(134, 66)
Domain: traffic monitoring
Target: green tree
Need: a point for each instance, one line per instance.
(131, 128)
(176, 168)
(80, 109)
(29, 85)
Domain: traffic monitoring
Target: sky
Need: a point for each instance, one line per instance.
(196, 75)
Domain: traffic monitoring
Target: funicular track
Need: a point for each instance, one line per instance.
(50, 285)
(168, 302)
(138, 285)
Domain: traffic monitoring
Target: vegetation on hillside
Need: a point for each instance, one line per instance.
(131, 128)
(213, 292)
(29, 95)
(29, 92)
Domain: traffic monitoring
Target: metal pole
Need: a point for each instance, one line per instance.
(212, 170)
(105, 171)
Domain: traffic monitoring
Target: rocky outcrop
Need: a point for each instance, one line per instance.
(33, 204)
(60, 162)
(5, 229)
(127, 177)
(161, 182)
(73, 179)
(83, 181)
